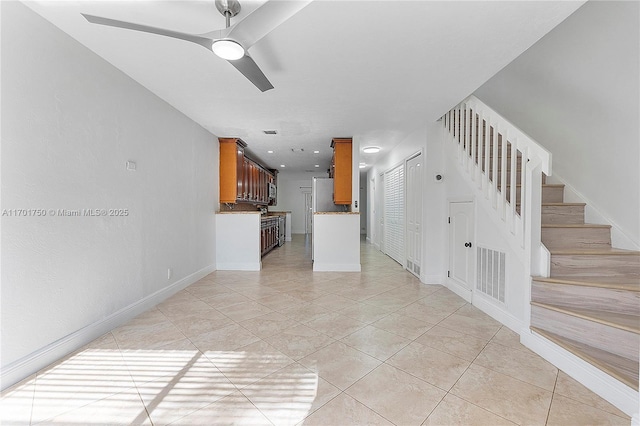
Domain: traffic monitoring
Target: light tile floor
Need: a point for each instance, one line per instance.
(287, 346)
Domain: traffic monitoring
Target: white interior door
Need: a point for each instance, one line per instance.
(414, 214)
(461, 244)
(394, 228)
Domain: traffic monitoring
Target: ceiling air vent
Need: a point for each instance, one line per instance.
(298, 150)
(270, 132)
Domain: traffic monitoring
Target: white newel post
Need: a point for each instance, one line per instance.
(532, 216)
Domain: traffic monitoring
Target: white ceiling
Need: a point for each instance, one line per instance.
(375, 70)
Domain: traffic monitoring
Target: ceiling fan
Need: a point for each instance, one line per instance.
(232, 42)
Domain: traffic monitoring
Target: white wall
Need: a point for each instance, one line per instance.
(434, 209)
(576, 92)
(291, 188)
(71, 121)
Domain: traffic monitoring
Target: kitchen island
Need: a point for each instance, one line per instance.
(336, 241)
(238, 241)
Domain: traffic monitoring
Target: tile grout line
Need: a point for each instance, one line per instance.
(553, 394)
(126, 364)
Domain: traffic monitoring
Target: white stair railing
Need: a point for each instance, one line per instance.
(505, 166)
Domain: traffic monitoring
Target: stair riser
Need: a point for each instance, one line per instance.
(597, 298)
(622, 369)
(552, 194)
(549, 194)
(587, 238)
(601, 336)
(609, 265)
(562, 214)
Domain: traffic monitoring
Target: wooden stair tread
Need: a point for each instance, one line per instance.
(575, 225)
(613, 319)
(613, 282)
(560, 204)
(595, 252)
(622, 369)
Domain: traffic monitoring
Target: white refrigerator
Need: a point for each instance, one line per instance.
(322, 195)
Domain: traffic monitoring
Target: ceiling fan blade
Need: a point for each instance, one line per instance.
(265, 19)
(202, 41)
(250, 69)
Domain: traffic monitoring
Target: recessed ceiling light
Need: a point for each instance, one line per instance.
(282, 165)
(317, 165)
(370, 149)
(316, 152)
(362, 165)
(269, 152)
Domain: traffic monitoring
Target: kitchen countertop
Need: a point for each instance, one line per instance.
(238, 212)
(337, 213)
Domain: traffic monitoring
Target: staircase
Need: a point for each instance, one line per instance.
(590, 303)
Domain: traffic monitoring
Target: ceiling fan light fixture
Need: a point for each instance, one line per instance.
(370, 149)
(228, 49)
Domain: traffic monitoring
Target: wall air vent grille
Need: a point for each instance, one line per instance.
(270, 132)
(491, 273)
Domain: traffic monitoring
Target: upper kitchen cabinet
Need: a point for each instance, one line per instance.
(243, 180)
(231, 169)
(340, 171)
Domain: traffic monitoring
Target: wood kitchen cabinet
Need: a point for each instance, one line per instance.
(243, 180)
(340, 171)
(269, 234)
(231, 169)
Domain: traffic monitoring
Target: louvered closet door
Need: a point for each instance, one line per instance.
(394, 213)
(413, 215)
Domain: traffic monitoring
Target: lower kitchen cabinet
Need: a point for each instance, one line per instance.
(271, 233)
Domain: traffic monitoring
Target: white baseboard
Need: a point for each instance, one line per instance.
(240, 266)
(497, 313)
(287, 239)
(621, 396)
(458, 289)
(336, 267)
(432, 279)
(30, 364)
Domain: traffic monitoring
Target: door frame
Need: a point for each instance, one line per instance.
(452, 284)
(380, 218)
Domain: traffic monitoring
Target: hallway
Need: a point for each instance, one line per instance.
(287, 346)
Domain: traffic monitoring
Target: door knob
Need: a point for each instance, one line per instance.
(467, 244)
